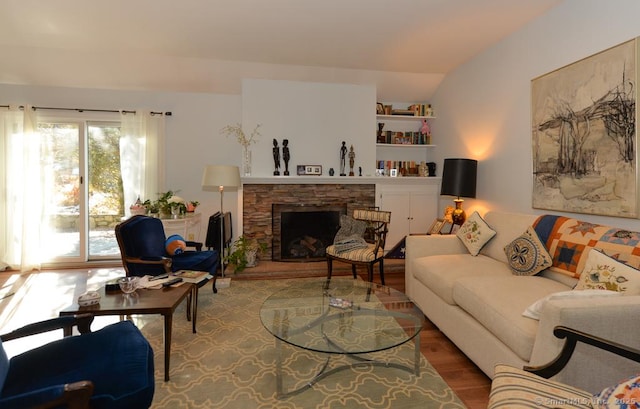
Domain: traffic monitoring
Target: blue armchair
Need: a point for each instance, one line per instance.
(108, 368)
(142, 246)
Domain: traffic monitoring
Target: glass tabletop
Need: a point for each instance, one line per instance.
(341, 316)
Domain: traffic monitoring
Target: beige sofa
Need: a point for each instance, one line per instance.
(477, 302)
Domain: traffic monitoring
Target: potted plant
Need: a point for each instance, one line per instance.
(244, 253)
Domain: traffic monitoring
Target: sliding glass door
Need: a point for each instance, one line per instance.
(81, 164)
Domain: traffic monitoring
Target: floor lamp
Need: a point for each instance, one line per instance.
(218, 177)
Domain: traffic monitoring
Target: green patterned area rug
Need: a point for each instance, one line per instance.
(230, 363)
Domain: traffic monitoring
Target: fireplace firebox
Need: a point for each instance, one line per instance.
(303, 232)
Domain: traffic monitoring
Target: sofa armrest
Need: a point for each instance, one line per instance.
(610, 318)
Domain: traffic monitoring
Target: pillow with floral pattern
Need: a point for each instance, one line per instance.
(602, 272)
(475, 233)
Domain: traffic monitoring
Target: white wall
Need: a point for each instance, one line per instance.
(315, 118)
(483, 107)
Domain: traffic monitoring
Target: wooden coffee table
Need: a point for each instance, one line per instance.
(144, 301)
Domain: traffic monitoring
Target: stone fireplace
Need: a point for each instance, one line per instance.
(258, 201)
(302, 232)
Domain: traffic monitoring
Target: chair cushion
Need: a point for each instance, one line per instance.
(117, 359)
(196, 260)
(515, 388)
(360, 254)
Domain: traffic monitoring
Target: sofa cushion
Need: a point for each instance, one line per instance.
(497, 303)
(601, 272)
(475, 233)
(439, 273)
(508, 226)
(526, 255)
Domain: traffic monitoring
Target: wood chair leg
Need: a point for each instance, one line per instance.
(329, 268)
(382, 272)
(354, 271)
(370, 272)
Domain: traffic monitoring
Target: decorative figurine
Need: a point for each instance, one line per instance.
(343, 156)
(425, 131)
(422, 169)
(352, 160)
(359, 170)
(285, 156)
(431, 166)
(381, 138)
(331, 172)
(276, 157)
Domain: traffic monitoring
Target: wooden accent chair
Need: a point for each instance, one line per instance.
(108, 368)
(367, 255)
(530, 387)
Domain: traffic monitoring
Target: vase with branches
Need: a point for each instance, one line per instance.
(246, 142)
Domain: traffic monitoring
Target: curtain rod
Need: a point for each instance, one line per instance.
(168, 113)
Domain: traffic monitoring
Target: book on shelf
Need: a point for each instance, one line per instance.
(192, 276)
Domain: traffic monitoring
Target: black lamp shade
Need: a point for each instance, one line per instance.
(459, 177)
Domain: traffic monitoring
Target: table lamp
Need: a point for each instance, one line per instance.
(459, 179)
(219, 177)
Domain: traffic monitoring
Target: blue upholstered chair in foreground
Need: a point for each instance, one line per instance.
(142, 246)
(109, 368)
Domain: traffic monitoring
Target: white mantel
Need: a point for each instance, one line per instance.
(341, 180)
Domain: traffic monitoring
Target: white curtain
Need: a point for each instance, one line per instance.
(22, 185)
(141, 155)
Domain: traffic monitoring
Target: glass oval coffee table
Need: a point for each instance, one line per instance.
(341, 317)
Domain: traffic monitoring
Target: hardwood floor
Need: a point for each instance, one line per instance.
(40, 295)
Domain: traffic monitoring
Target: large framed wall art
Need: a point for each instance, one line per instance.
(584, 135)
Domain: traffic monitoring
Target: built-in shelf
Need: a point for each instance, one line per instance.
(403, 145)
(403, 117)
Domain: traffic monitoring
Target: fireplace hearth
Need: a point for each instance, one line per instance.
(302, 232)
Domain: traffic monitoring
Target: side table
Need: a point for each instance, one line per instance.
(144, 301)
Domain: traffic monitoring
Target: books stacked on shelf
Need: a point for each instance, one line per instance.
(414, 110)
(191, 276)
(406, 138)
(404, 168)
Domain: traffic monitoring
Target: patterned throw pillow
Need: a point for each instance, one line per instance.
(623, 395)
(475, 233)
(601, 272)
(527, 255)
(350, 227)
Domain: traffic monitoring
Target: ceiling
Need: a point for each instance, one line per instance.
(210, 45)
